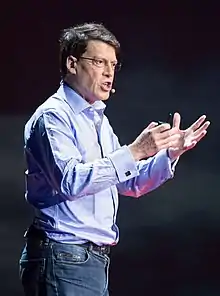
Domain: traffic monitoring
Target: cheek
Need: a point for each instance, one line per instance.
(91, 79)
(86, 77)
(95, 80)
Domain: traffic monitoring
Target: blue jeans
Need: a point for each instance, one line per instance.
(56, 269)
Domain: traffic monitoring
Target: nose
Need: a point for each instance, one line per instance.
(108, 70)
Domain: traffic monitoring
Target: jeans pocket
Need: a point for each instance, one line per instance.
(70, 255)
(77, 271)
(69, 266)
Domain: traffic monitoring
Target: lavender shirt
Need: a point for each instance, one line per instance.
(76, 168)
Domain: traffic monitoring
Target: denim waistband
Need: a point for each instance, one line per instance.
(39, 238)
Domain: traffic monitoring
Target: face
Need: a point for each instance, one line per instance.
(93, 73)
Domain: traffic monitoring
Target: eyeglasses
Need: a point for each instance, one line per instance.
(101, 63)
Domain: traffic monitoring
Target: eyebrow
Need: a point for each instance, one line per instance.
(97, 57)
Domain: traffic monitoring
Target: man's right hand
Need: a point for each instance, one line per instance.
(153, 139)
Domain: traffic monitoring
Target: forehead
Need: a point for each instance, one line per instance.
(100, 49)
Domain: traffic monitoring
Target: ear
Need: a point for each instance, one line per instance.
(71, 64)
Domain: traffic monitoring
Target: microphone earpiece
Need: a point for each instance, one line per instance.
(112, 90)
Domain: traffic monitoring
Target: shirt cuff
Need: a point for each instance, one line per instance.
(124, 164)
(162, 160)
(173, 162)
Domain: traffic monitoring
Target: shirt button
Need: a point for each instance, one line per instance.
(128, 173)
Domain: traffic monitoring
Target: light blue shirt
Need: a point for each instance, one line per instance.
(76, 168)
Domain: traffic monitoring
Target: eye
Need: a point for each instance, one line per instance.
(98, 62)
(114, 64)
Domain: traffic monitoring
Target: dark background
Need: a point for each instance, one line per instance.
(170, 239)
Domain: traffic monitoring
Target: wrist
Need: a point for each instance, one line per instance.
(135, 152)
(173, 154)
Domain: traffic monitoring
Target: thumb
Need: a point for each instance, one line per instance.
(176, 120)
(152, 125)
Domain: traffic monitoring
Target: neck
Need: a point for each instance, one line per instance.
(70, 83)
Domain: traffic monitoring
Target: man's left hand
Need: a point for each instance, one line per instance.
(189, 137)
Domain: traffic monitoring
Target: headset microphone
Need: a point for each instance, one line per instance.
(112, 90)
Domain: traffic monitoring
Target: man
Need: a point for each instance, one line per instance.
(76, 167)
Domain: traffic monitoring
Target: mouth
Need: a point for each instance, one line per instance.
(106, 86)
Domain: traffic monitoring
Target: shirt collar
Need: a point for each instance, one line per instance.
(76, 102)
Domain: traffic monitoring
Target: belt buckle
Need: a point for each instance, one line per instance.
(103, 249)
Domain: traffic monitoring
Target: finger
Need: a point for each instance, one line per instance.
(197, 123)
(171, 141)
(162, 127)
(190, 145)
(200, 136)
(202, 128)
(168, 133)
(176, 120)
(152, 125)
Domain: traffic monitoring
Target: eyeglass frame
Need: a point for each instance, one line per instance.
(116, 68)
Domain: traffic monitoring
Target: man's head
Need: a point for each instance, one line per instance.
(88, 60)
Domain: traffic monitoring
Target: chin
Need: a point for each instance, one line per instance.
(103, 97)
(99, 96)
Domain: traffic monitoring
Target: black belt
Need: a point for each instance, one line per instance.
(40, 236)
(104, 249)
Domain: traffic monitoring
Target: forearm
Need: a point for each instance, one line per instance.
(85, 179)
(153, 172)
